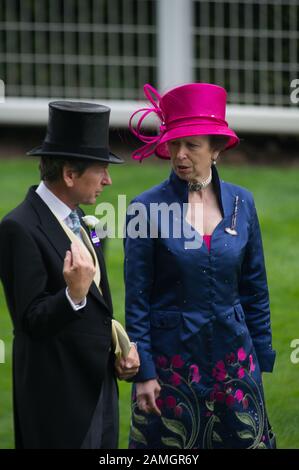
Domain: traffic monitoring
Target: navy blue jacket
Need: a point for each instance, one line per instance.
(174, 295)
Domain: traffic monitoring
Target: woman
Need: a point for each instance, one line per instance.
(199, 312)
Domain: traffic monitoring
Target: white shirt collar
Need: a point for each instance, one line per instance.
(60, 209)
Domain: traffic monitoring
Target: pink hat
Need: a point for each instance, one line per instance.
(187, 110)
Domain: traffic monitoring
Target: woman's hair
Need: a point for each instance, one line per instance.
(51, 168)
(218, 142)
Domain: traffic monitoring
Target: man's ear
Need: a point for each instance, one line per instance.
(68, 175)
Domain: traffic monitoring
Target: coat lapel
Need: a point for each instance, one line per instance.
(225, 196)
(48, 224)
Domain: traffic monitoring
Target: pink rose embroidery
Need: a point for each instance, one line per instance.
(162, 362)
(241, 354)
(220, 397)
(159, 403)
(195, 375)
(170, 401)
(230, 358)
(177, 362)
(219, 371)
(245, 403)
(230, 400)
(241, 373)
(239, 395)
(252, 365)
(175, 379)
(220, 365)
(178, 411)
(219, 375)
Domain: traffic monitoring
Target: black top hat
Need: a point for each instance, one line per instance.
(77, 130)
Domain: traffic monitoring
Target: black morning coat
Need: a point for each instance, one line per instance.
(60, 356)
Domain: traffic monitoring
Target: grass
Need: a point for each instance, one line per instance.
(277, 201)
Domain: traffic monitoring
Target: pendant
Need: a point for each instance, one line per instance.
(231, 231)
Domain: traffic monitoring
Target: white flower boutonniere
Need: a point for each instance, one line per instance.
(91, 221)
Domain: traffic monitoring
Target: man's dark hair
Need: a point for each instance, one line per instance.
(51, 168)
(218, 142)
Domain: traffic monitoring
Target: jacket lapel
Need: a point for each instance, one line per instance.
(48, 224)
(224, 194)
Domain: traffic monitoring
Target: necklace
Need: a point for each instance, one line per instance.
(197, 186)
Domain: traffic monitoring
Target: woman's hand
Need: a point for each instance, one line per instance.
(146, 395)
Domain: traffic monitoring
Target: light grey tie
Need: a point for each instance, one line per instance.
(76, 225)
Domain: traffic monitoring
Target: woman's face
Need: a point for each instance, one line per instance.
(191, 157)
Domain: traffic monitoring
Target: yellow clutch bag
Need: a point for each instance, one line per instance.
(120, 340)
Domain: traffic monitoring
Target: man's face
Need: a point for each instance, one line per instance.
(87, 187)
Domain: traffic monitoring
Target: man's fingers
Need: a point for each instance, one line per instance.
(131, 363)
(119, 364)
(127, 368)
(122, 363)
(82, 255)
(132, 359)
(67, 261)
(75, 250)
(130, 373)
(75, 253)
(83, 252)
(124, 375)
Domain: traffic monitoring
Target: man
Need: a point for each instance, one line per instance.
(55, 282)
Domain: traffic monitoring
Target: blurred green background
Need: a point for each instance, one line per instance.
(276, 192)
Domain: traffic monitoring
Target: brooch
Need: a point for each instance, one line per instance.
(232, 229)
(91, 221)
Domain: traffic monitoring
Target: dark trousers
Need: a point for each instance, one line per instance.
(104, 428)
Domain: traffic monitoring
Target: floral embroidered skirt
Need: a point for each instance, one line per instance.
(222, 407)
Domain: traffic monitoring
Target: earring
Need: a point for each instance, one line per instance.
(214, 161)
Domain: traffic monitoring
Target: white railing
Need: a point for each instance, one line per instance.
(105, 50)
(98, 49)
(249, 47)
(261, 119)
